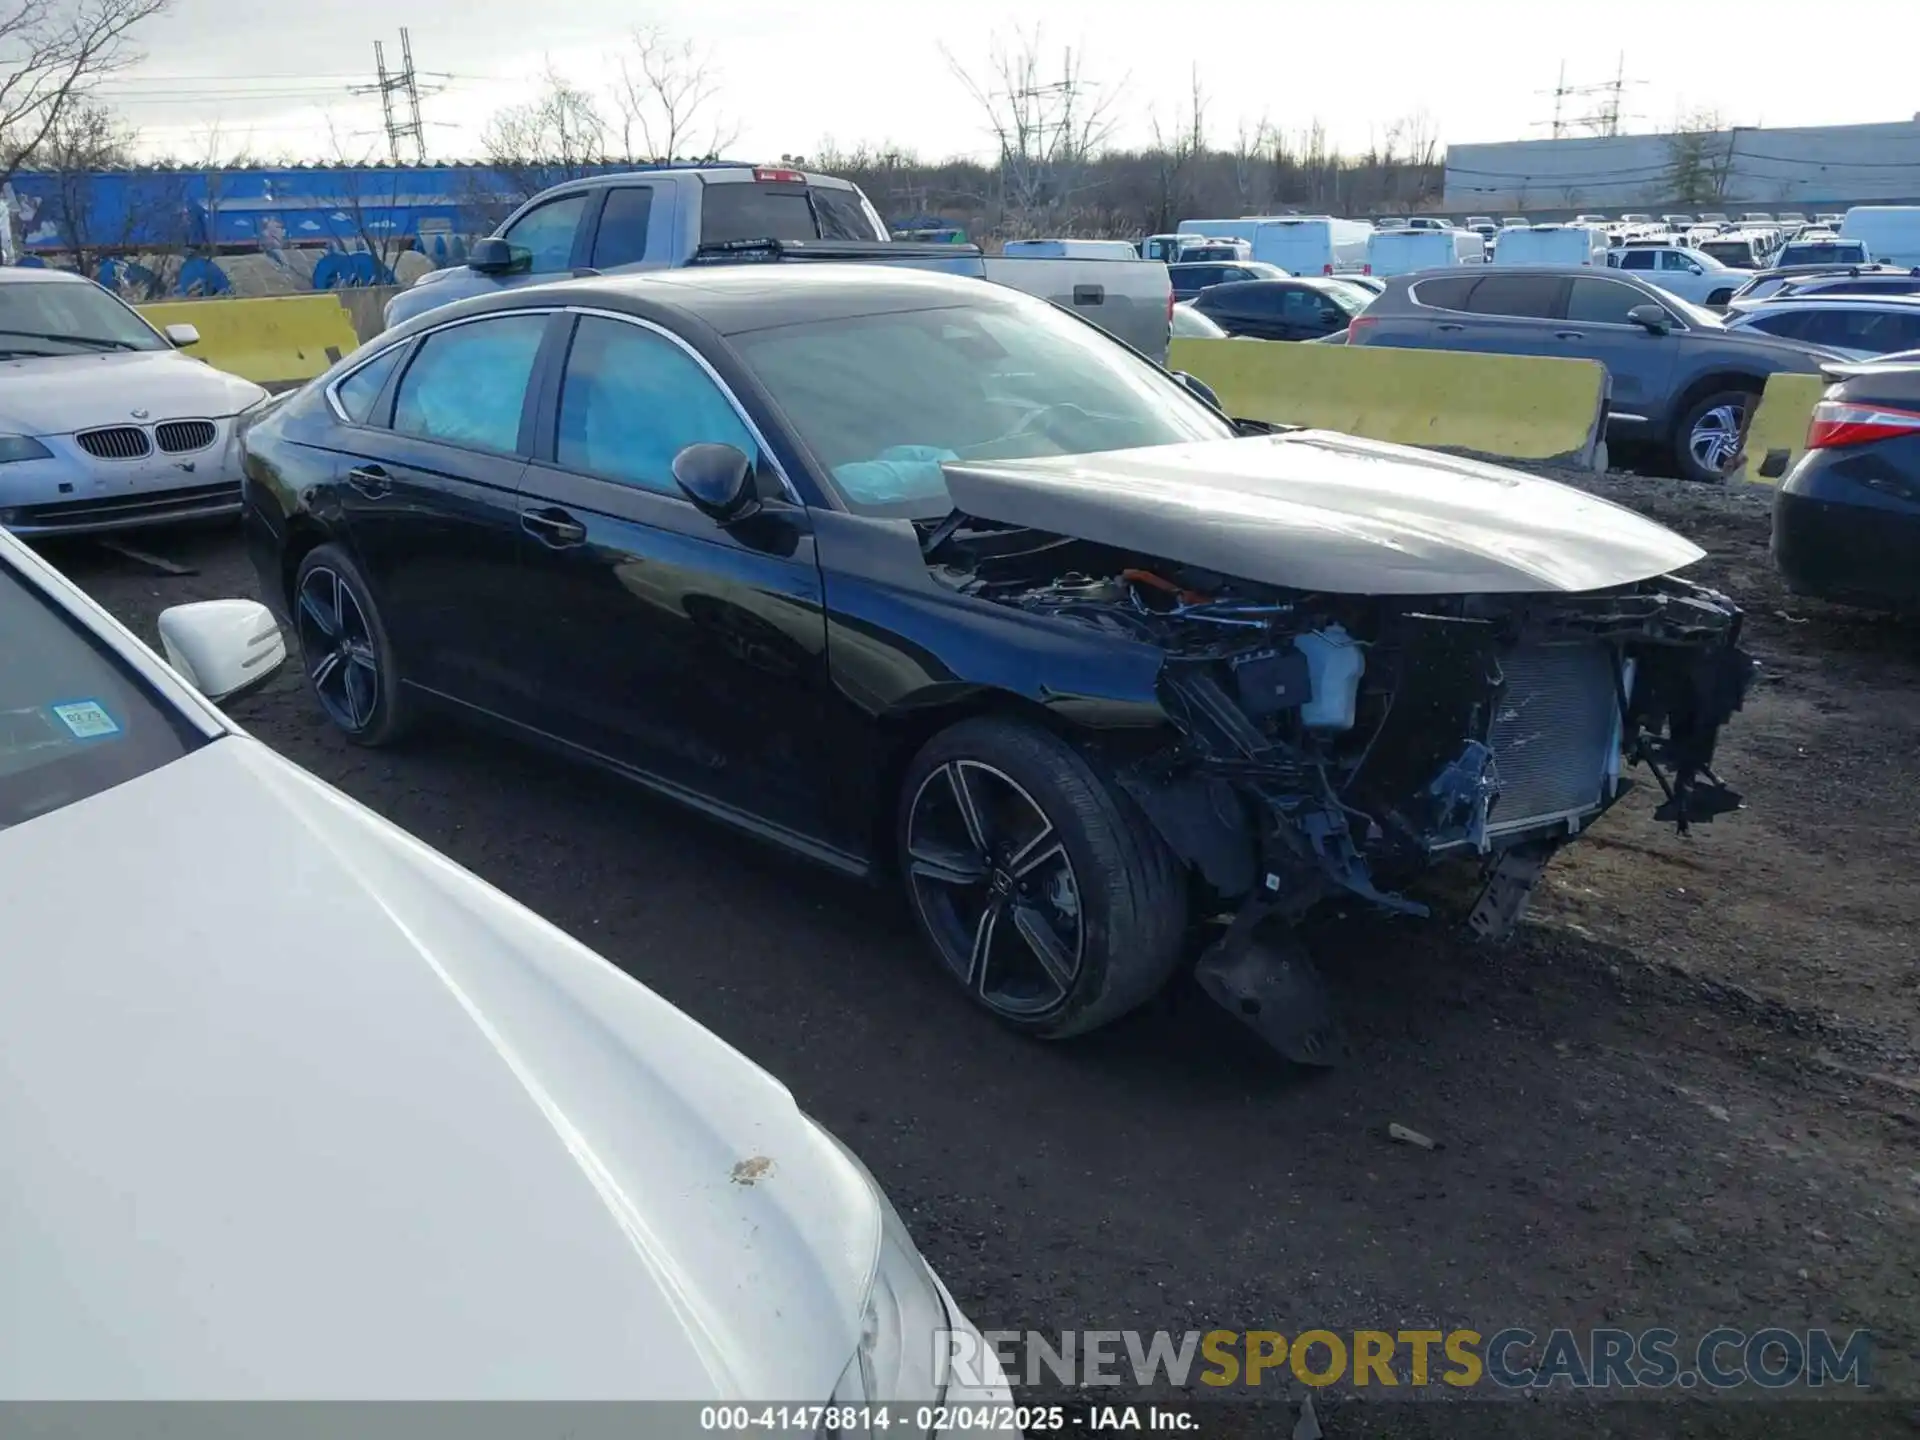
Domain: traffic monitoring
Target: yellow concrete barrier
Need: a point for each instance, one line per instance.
(1518, 406)
(273, 341)
(1777, 431)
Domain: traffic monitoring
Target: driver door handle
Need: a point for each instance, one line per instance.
(553, 526)
(1450, 329)
(1569, 334)
(370, 480)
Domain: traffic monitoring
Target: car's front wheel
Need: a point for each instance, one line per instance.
(1048, 896)
(1707, 439)
(344, 649)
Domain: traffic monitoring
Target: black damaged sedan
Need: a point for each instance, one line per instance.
(924, 578)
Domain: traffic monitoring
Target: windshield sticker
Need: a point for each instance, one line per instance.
(85, 719)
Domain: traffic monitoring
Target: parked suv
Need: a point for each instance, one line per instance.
(1690, 274)
(1860, 327)
(1680, 380)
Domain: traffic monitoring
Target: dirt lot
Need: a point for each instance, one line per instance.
(1687, 1095)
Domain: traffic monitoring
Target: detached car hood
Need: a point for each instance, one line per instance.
(59, 394)
(293, 1107)
(1314, 510)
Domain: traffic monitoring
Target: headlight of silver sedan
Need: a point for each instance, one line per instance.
(22, 447)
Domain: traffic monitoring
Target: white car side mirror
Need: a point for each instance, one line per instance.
(181, 336)
(221, 647)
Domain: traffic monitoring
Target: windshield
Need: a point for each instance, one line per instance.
(1695, 315)
(73, 720)
(64, 317)
(882, 400)
(1703, 260)
(1348, 295)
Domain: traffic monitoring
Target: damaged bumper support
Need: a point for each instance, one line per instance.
(1485, 731)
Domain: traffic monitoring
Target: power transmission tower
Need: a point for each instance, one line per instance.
(1605, 119)
(399, 92)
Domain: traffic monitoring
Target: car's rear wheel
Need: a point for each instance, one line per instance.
(345, 651)
(1707, 439)
(1049, 898)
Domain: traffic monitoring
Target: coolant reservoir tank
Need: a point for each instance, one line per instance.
(1335, 661)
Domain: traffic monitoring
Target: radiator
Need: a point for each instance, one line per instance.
(1555, 733)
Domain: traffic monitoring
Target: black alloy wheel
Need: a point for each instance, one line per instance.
(995, 889)
(1049, 897)
(344, 649)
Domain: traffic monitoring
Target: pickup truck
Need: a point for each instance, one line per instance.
(664, 219)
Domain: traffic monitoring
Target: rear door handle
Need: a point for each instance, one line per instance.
(554, 527)
(370, 480)
(1450, 329)
(1569, 334)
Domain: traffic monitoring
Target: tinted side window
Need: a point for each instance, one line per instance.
(1534, 297)
(1447, 294)
(1601, 302)
(359, 390)
(622, 237)
(467, 384)
(1637, 260)
(631, 401)
(1794, 325)
(548, 233)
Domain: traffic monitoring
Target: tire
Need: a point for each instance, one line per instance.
(1098, 881)
(1711, 426)
(345, 651)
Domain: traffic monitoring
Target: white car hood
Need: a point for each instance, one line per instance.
(293, 1107)
(58, 394)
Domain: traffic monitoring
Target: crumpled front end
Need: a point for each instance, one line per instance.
(1328, 744)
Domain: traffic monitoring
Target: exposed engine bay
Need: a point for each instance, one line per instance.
(1344, 743)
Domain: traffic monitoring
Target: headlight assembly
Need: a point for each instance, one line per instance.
(903, 1323)
(22, 447)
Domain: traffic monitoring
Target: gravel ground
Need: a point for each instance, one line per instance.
(1686, 1094)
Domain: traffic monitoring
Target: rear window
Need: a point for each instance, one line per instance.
(1843, 252)
(758, 210)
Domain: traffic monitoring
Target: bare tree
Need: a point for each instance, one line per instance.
(1179, 152)
(1048, 124)
(558, 135)
(52, 52)
(1698, 167)
(1250, 152)
(667, 96)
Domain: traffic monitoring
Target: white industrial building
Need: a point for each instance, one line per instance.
(1818, 168)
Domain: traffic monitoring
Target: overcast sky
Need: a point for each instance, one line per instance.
(274, 79)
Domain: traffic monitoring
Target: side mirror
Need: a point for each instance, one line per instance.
(1199, 389)
(181, 336)
(1697, 269)
(221, 647)
(494, 256)
(718, 479)
(1653, 317)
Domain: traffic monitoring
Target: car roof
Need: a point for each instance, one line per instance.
(733, 299)
(39, 275)
(1802, 300)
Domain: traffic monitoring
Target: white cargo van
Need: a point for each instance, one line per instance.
(1241, 228)
(1072, 249)
(1401, 252)
(1196, 251)
(1550, 245)
(1891, 233)
(1313, 244)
